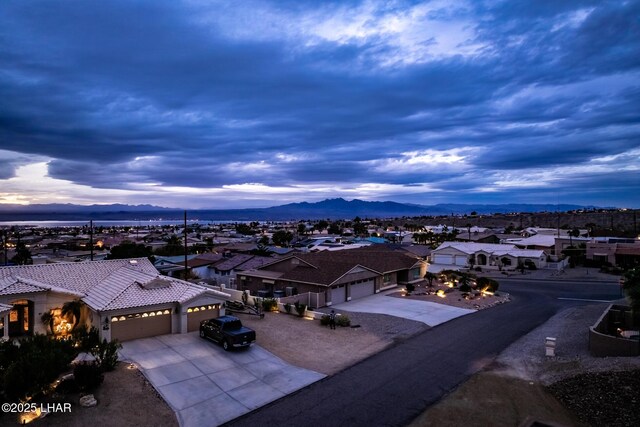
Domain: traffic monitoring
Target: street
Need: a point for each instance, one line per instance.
(394, 386)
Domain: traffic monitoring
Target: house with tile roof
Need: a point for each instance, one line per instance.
(124, 299)
(458, 255)
(338, 276)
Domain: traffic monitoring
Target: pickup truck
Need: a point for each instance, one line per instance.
(228, 331)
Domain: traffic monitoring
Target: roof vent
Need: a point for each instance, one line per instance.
(155, 284)
(133, 261)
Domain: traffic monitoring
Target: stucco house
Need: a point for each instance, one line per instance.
(339, 276)
(123, 299)
(458, 255)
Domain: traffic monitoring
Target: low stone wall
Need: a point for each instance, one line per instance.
(603, 341)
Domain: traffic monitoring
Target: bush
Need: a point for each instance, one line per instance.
(86, 339)
(270, 304)
(343, 320)
(287, 308)
(34, 365)
(487, 284)
(300, 308)
(88, 375)
(106, 354)
(410, 287)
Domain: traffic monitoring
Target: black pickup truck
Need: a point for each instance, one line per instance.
(228, 331)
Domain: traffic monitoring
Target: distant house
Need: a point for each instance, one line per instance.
(458, 255)
(339, 276)
(124, 299)
(225, 270)
(614, 251)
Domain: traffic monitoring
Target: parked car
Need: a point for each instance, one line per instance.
(228, 331)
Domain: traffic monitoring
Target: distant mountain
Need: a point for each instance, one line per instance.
(330, 208)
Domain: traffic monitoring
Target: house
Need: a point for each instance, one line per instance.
(124, 299)
(613, 250)
(457, 255)
(225, 270)
(338, 276)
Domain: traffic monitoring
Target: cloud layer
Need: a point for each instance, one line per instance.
(236, 104)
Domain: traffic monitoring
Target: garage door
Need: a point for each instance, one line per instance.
(363, 289)
(141, 325)
(197, 314)
(338, 294)
(443, 259)
(461, 260)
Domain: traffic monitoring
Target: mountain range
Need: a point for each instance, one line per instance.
(327, 209)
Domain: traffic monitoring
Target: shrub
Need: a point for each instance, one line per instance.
(300, 308)
(464, 287)
(270, 304)
(478, 268)
(410, 287)
(33, 367)
(287, 308)
(487, 284)
(343, 320)
(324, 320)
(106, 354)
(86, 339)
(88, 375)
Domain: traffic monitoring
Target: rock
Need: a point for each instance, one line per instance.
(88, 401)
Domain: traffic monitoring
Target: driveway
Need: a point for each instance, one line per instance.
(205, 385)
(427, 312)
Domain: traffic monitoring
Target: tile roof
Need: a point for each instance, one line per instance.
(103, 285)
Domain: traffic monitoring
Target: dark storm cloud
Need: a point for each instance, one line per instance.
(118, 94)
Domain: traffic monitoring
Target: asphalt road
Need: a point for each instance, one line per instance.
(393, 387)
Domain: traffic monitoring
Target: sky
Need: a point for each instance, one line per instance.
(228, 104)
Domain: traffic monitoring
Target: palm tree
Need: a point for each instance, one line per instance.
(74, 309)
(430, 277)
(47, 319)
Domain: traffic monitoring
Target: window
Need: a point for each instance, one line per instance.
(386, 278)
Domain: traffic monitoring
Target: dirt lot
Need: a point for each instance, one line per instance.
(522, 383)
(305, 343)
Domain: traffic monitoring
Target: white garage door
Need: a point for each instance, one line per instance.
(461, 260)
(338, 294)
(363, 289)
(443, 259)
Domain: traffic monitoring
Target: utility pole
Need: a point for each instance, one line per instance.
(6, 259)
(185, 245)
(91, 237)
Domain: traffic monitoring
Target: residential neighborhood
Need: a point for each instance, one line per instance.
(146, 290)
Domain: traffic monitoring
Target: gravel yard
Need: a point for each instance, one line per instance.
(573, 388)
(307, 344)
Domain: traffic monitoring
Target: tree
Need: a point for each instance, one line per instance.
(302, 228)
(245, 229)
(173, 247)
(129, 249)
(73, 309)
(22, 256)
(321, 225)
(573, 233)
(47, 319)
(282, 238)
(430, 277)
(335, 228)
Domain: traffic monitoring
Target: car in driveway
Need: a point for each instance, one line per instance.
(228, 331)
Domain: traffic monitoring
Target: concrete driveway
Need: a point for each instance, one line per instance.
(426, 312)
(206, 385)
